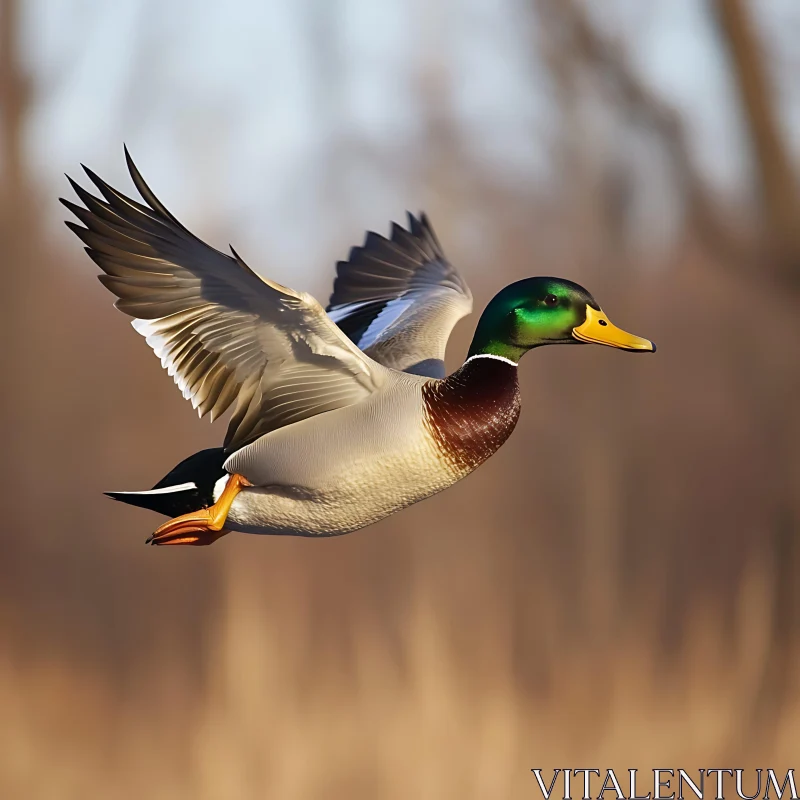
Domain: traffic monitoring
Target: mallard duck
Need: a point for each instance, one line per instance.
(342, 415)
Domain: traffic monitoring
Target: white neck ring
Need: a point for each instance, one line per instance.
(491, 355)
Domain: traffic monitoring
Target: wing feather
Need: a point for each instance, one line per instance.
(399, 298)
(223, 333)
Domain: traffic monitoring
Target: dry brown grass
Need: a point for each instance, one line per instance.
(274, 718)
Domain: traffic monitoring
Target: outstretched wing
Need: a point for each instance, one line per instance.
(398, 299)
(223, 333)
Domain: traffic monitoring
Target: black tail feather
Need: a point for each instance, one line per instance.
(197, 474)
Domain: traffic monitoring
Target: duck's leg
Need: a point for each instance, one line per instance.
(204, 526)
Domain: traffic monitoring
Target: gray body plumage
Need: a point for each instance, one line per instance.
(337, 472)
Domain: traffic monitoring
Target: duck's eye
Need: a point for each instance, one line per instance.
(551, 299)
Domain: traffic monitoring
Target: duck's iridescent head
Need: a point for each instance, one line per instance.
(538, 311)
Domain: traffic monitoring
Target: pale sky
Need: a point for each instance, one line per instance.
(232, 110)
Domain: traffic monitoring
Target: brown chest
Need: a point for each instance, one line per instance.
(471, 413)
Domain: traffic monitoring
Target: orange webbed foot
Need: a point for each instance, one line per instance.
(204, 526)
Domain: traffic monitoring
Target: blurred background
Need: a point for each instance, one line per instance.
(617, 587)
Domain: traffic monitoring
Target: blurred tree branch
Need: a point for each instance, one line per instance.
(14, 95)
(775, 174)
(588, 48)
(780, 218)
(18, 241)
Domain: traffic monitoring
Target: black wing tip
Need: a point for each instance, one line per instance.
(83, 195)
(425, 221)
(371, 239)
(78, 189)
(98, 181)
(406, 248)
(95, 178)
(240, 262)
(418, 226)
(415, 226)
(133, 170)
(129, 160)
(421, 227)
(72, 182)
(72, 207)
(75, 227)
(397, 230)
(420, 218)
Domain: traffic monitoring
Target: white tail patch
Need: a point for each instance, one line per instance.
(219, 486)
(180, 487)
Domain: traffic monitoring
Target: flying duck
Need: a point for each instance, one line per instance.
(341, 416)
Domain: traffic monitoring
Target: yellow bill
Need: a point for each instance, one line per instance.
(597, 329)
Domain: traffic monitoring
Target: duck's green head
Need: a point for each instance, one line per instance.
(539, 311)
